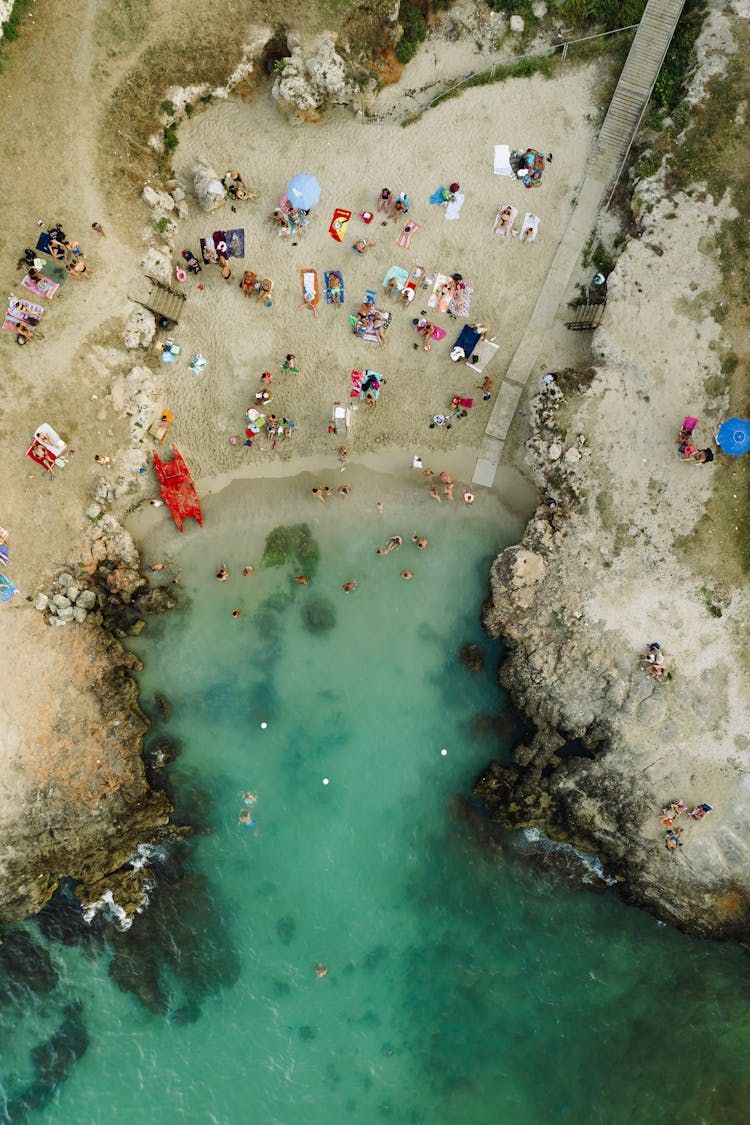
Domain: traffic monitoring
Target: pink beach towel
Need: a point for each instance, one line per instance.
(689, 423)
(407, 234)
(437, 333)
(46, 287)
(356, 390)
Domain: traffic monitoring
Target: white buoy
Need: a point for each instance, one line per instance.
(325, 780)
(263, 726)
(444, 752)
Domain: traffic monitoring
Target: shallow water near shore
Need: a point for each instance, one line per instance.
(468, 982)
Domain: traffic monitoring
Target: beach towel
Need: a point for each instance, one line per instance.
(42, 243)
(689, 423)
(43, 288)
(460, 302)
(467, 341)
(4, 554)
(337, 229)
(371, 384)
(439, 197)
(531, 224)
(441, 280)
(407, 234)
(497, 227)
(219, 240)
(399, 274)
(501, 166)
(357, 377)
(310, 288)
(7, 589)
(368, 333)
(207, 244)
(22, 310)
(435, 334)
(334, 280)
(235, 240)
(453, 209)
(485, 351)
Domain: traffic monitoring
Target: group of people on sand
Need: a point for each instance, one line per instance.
(234, 186)
(669, 817)
(393, 206)
(687, 450)
(652, 660)
(288, 222)
(370, 319)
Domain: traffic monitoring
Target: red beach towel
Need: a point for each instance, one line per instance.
(356, 390)
(337, 229)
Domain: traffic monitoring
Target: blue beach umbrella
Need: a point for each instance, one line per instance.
(303, 191)
(734, 436)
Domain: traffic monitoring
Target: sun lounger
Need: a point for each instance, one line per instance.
(341, 416)
(498, 227)
(485, 351)
(529, 227)
(334, 287)
(501, 165)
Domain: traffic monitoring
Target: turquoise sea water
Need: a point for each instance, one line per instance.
(471, 980)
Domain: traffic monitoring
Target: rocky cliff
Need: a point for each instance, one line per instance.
(608, 569)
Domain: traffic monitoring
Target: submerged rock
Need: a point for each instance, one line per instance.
(319, 615)
(472, 656)
(24, 966)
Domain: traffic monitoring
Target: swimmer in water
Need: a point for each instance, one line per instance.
(248, 570)
(236, 613)
(348, 587)
(249, 798)
(406, 574)
(222, 573)
(420, 541)
(303, 581)
(246, 817)
(321, 970)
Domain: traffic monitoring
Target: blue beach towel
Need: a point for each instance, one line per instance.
(397, 272)
(7, 589)
(336, 275)
(4, 554)
(467, 340)
(439, 196)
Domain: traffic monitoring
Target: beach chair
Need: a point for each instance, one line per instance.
(341, 417)
(159, 428)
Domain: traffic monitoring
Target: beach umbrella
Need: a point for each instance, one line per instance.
(734, 436)
(303, 191)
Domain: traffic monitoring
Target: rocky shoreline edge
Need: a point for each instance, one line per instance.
(98, 807)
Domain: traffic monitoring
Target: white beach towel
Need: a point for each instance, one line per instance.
(531, 224)
(453, 209)
(502, 161)
(496, 226)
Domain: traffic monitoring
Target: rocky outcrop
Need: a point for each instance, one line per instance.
(601, 571)
(309, 81)
(208, 187)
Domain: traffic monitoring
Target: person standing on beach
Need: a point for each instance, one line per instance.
(99, 229)
(290, 364)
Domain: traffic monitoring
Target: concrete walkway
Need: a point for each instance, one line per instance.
(620, 125)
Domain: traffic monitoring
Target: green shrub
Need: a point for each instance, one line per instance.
(168, 108)
(171, 140)
(415, 31)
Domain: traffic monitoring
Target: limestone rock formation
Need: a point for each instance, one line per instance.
(140, 328)
(209, 190)
(309, 81)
